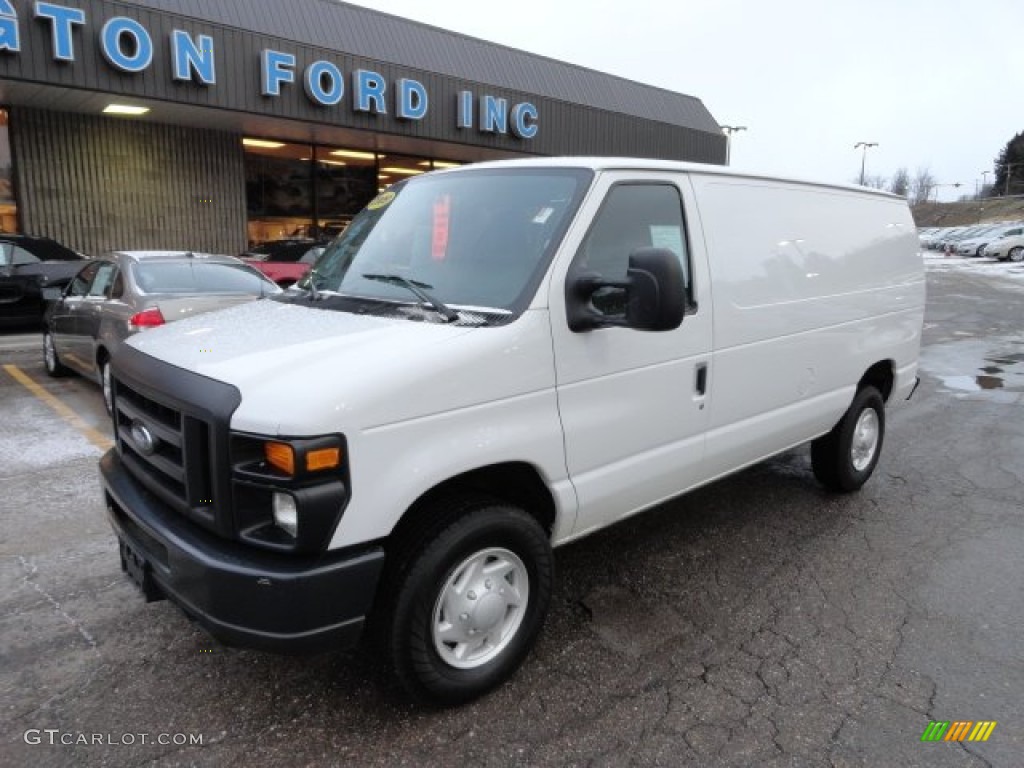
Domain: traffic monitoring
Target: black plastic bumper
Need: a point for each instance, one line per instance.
(240, 595)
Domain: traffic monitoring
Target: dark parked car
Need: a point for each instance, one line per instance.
(122, 293)
(29, 268)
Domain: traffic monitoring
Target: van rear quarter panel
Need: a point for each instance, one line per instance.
(812, 286)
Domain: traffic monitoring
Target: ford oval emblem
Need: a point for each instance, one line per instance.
(143, 438)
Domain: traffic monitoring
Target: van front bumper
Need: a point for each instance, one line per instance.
(242, 596)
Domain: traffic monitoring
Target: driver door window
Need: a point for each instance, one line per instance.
(633, 216)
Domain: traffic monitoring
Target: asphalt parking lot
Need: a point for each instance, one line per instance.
(758, 621)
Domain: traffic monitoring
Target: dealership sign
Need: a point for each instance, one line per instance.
(127, 46)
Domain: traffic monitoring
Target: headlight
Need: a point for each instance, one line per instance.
(286, 514)
(277, 480)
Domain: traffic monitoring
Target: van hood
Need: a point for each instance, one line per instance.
(306, 371)
(260, 339)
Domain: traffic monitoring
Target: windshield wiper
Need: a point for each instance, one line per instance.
(416, 287)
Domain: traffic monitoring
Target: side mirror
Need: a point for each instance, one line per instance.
(654, 289)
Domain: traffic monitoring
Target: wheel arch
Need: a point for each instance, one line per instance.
(881, 376)
(515, 482)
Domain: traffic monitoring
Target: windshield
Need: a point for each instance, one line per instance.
(191, 276)
(473, 238)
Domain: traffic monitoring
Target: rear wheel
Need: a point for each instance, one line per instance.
(844, 459)
(469, 600)
(51, 361)
(1016, 254)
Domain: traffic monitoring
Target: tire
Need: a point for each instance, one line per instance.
(108, 395)
(844, 459)
(51, 361)
(456, 630)
(1016, 254)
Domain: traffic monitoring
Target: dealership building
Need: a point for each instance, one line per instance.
(214, 124)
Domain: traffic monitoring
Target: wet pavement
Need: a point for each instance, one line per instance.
(758, 621)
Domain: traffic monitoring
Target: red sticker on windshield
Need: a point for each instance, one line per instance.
(439, 239)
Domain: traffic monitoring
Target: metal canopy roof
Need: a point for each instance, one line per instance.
(374, 35)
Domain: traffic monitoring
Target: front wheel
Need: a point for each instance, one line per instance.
(471, 602)
(844, 459)
(1016, 254)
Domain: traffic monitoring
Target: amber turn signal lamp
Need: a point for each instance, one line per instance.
(323, 458)
(280, 456)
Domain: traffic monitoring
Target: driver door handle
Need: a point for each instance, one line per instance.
(701, 383)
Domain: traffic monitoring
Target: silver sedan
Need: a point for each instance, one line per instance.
(124, 292)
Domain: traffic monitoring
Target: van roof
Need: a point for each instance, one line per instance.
(648, 164)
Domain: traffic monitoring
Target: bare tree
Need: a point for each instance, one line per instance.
(921, 186)
(875, 182)
(900, 183)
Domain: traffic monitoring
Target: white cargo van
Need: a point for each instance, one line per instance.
(490, 362)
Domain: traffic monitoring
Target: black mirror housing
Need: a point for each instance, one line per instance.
(655, 294)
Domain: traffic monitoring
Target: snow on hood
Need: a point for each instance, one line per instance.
(304, 371)
(261, 339)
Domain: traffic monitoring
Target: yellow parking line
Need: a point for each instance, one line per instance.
(93, 435)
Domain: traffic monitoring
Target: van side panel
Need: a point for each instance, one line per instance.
(812, 285)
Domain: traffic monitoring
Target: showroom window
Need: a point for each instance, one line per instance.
(8, 204)
(299, 191)
(278, 189)
(346, 180)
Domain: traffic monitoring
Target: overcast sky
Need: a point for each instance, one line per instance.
(938, 84)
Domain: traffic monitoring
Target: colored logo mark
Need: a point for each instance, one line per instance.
(958, 730)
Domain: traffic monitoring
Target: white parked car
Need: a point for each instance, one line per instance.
(1006, 248)
(975, 244)
(491, 362)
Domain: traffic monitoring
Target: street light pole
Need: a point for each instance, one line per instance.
(984, 181)
(864, 155)
(729, 130)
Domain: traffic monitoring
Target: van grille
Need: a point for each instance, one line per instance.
(168, 451)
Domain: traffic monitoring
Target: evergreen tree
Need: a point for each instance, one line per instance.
(1010, 168)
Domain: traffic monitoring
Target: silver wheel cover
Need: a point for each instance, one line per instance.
(105, 381)
(480, 608)
(49, 353)
(866, 434)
